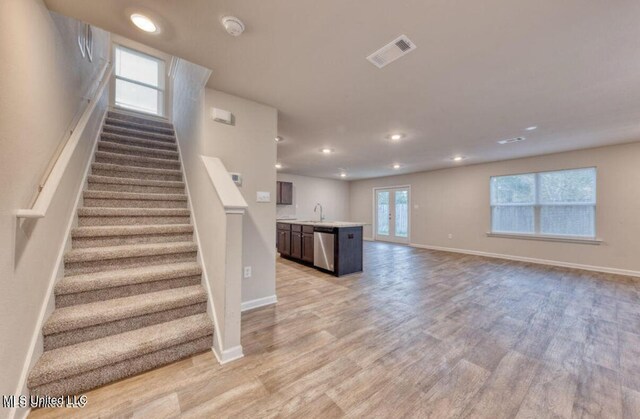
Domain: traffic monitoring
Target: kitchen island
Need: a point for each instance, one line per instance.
(333, 247)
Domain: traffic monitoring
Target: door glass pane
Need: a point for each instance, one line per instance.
(402, 213)
(383, 213)
(137, 97)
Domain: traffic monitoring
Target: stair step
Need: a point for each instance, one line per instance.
(140, 142)
(136, 161)
(91, 216)
(118, 252)
(108, 183)
(85, 315)
(112, 199)
(103, 236)
(142, 120)
(76, 368)
(138, 127)
(134, 150)
(124, 277)
(132, 172)
(87, 288)
(107, 231)
(96, 259)
(150, 135)
(140, 182)
(135, 196)
(70, 325)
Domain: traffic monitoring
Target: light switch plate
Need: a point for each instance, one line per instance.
(263, 196)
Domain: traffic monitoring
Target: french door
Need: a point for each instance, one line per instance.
(392, 214)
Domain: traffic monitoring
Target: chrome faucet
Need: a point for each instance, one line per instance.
(316, 210)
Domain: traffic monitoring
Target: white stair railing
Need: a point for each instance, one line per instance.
(48, 190)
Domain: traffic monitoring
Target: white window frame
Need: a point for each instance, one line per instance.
(537, 207)
(161, 82)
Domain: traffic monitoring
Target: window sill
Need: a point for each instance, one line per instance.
(563, 239)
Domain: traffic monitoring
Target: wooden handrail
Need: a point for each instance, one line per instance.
(45, 196)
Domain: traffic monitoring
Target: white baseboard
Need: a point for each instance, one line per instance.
(259, 302)
(368, 239)
(228, 355)
(561, 264)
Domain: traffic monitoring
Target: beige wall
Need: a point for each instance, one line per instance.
(248, 148)
(456, 201)
(308, 191)
(214, 230)
(42, 81)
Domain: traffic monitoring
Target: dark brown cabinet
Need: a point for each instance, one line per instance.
(283, 241)
(295, 241)
(296, 245)
(284, 193)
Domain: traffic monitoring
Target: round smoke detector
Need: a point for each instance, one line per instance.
(233, 25)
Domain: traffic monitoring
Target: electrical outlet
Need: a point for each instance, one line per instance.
(450, 235)
(247, 271)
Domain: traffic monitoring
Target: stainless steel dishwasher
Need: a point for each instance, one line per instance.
(323, 247)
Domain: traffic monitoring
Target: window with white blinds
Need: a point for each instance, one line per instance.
(139, 81)
(559, 203)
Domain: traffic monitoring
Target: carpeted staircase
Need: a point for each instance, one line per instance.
(131, 297)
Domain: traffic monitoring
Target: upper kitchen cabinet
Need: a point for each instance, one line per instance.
(284, 193)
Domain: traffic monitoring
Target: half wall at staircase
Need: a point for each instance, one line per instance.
(246, 147)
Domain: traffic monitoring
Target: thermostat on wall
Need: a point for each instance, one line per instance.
(237, 178)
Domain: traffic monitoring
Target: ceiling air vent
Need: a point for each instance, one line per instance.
(392, 51)
(512, 140)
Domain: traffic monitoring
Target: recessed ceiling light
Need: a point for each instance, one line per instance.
(327, 150)
(396, 166)
(396, 137)
(278, 139)
(143, 23)
(458, 158)
(343, 175)
(531, 128)
(278, 166)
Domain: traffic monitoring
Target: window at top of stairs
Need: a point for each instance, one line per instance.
(139, 81)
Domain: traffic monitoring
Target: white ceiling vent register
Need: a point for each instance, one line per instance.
(512, 140)
(392, 51)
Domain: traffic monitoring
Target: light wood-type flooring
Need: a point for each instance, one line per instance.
(419, 334)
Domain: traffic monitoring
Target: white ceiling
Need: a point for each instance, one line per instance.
(483, 71)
